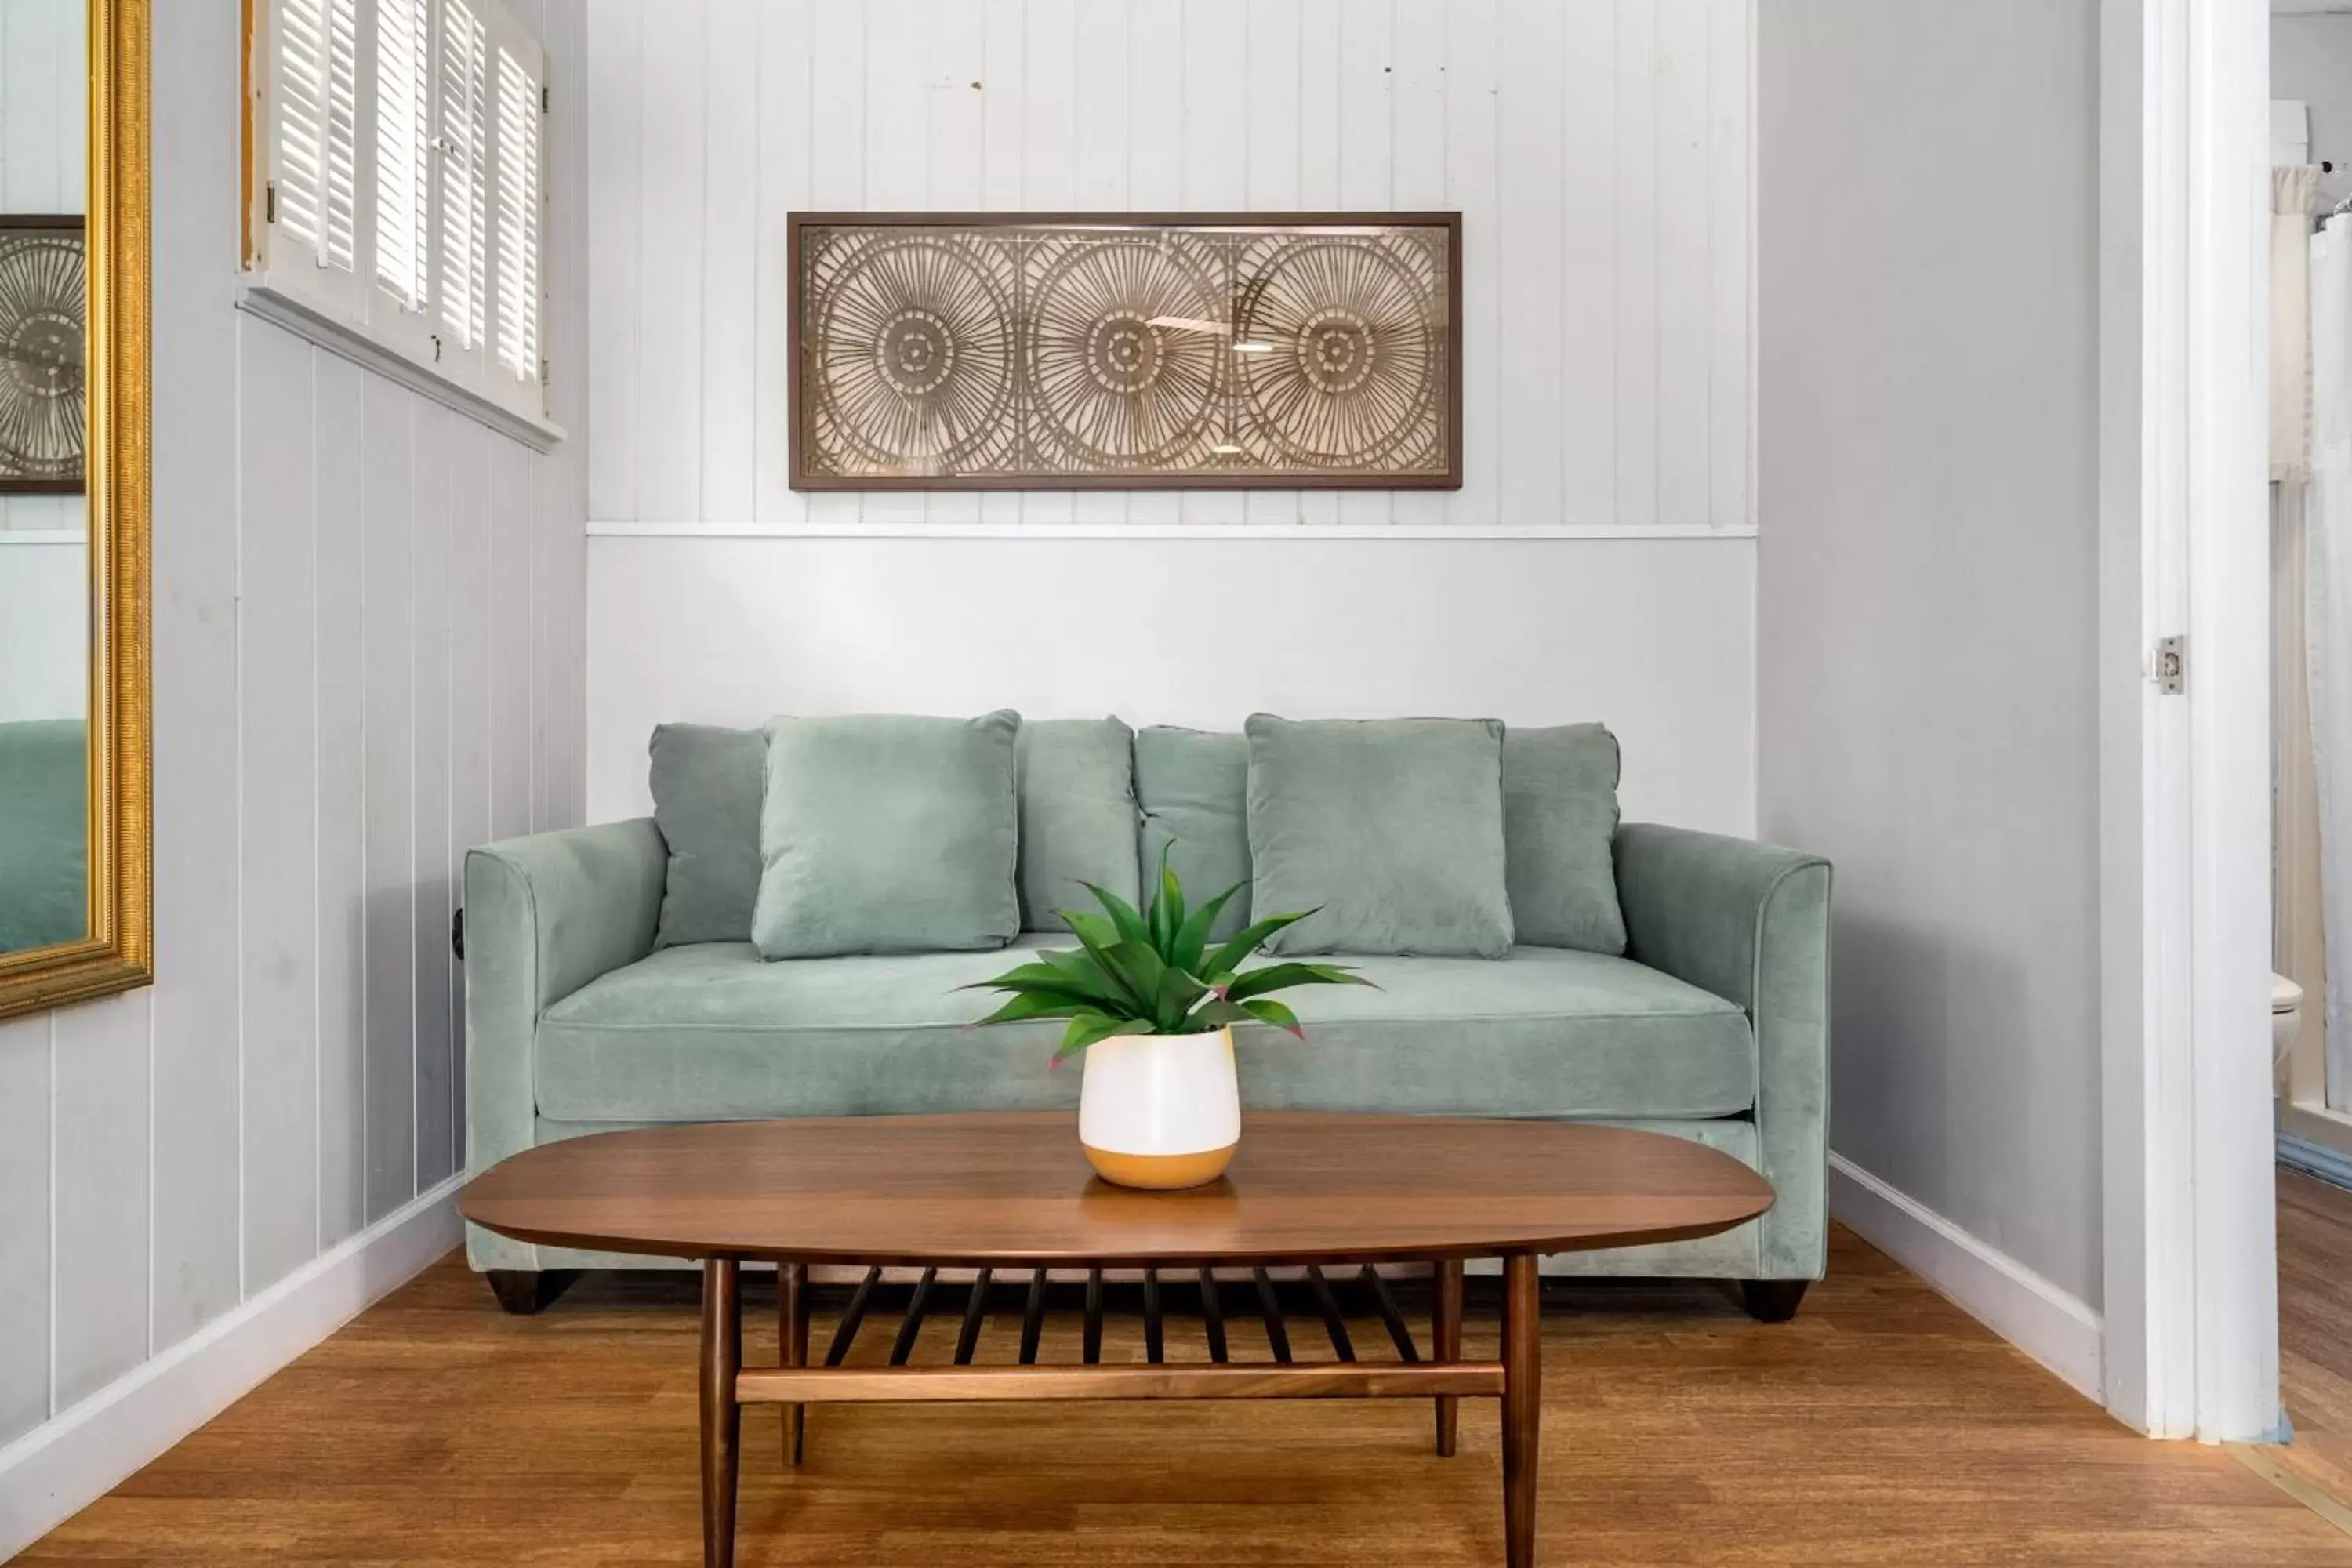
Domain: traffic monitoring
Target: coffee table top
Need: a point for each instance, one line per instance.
(1010, 1188)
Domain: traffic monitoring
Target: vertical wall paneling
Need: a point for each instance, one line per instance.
(1682, 273)
(1599, 151)
(956, 131)
(1636, 227)
(25, 1166)
(783, 100)
(509, 670)
(430, 597)
(1049, 154)
(332, 623)
(198, 1266)
(1099, 183)
(1419, 76)
(1731, 252)
(390, 513)
(1531, 286)
(1470, 43)
(616, 220)
(728, 251)
(279, 808)
(1156, 68)
(670, 266)
(837, 43)
(900, 87)
(1271, 163)
(338, 609)
(101, 1198)
(1592, 339)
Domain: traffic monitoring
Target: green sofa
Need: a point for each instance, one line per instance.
(43, 834)
(1713, 1026)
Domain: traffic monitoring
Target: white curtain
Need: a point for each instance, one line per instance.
(2327, 514)
(2293, 193)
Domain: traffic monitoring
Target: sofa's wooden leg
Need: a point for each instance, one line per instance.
(523, 1292)
(1772, 1300)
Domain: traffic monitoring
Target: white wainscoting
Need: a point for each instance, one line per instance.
(1599, 152)
(1654, 637)
(366, 657)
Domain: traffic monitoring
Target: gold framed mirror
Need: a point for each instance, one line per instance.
(75, 851)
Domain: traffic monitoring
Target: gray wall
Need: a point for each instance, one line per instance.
(1927, 576)
(367, 632)
(2311, 59)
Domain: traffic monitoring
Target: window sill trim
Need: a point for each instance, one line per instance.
(256, 296)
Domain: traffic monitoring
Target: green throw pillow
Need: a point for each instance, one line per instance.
(1391, 829)
(707, 783)
(1195, 790)
(1077, 815)
(888, 834)
(1559, 821)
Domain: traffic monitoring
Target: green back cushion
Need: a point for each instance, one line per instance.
(1391, 830)
(1559, 819)
(1193, 788)
(44, 833)
(888, 834)
(707, 783)
(1077, 815)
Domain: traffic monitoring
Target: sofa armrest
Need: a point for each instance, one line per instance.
(544, 915)
(1751, 923)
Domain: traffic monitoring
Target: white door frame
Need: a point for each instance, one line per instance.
(2191, 1278)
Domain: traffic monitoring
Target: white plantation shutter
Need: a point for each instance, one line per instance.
(404, 134)
(461, 273)
(518, 211)
(314, 144)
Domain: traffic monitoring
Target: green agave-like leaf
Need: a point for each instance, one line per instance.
(1124, 920)
(1193, 938)
(1167, 908)
(1102, 939)
(1228, 957)
(1086, 1031)
(1044, 979)
(1283, 976)
(1266, 1011)
(1178, 991)
(1039, 1005)
(1215, 1013)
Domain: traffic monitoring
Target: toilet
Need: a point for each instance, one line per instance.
(2286, 1019)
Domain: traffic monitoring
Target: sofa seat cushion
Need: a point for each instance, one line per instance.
(709, 1032)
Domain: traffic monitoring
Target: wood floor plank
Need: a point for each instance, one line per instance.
(1882, 1426)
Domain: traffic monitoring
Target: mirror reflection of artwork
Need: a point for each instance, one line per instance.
(44, 320)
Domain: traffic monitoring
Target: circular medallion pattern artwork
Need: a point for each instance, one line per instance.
(1104, 354)
(44, 405)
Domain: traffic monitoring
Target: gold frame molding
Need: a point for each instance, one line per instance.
(119, 952)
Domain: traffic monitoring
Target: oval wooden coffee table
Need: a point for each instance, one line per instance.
(998, 1192)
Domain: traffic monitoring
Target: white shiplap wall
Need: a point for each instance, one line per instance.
(1599, 151)
(367, 655)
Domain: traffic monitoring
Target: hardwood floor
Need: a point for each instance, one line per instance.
(2314, 1245)
(1882, 1426)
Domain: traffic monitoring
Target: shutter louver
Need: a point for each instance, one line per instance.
(518, 223)
(316, 170)
(464, 146)
(404, 186)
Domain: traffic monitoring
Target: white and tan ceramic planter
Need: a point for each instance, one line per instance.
(1160, 1110)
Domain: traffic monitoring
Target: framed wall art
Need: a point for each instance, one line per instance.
(1018, 351)
(43, 332)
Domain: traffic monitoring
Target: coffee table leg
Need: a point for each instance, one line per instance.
(722, 1417)
(1445, 1329)
(1522, 1406)
(791, 1336)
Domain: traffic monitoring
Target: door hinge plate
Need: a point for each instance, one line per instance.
(2170, 667)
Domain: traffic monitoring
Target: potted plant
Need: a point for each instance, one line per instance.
(1154, 1006)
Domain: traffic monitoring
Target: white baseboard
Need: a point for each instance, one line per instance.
(2057, 1329)
(63, 1466)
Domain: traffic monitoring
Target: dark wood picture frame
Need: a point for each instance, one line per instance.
(74, 223)
(803, 479)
